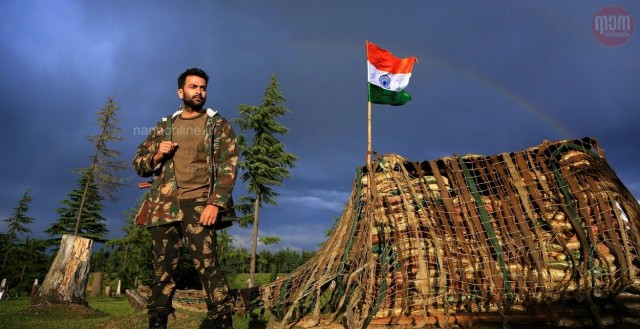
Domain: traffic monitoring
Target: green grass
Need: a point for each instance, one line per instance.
(106, 313)
(110, 313)
(240, 280)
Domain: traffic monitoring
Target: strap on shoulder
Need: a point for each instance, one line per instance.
(168, 129)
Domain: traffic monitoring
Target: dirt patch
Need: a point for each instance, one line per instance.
(68, 311)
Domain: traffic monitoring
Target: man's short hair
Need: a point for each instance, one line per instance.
(192, 71)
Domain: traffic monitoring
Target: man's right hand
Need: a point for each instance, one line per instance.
(165, 149)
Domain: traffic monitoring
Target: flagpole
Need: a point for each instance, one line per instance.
(369, 150)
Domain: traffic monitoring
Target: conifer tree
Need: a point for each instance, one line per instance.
(224, 251)
(17, 225)
(264, 162)
(82, 213)
(133, 251)
(270, 240)
(31, 263)
(66, 281)
(104, 167)
(93, 224)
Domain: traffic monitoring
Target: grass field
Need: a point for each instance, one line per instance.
(115, 313)
(107, 313)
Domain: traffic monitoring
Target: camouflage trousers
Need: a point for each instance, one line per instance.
(167, 243)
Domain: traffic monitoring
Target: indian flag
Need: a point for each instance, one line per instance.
(388, 76)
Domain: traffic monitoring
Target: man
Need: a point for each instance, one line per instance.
(192, 156)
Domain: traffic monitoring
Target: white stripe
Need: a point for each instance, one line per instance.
(395, 82)
(210, 113)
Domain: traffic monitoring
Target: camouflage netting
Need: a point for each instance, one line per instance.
(520, 236)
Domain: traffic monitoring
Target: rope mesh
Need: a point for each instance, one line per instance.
(425, 241)
(192, 299)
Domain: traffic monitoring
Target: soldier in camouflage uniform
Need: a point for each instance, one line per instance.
(194, 173)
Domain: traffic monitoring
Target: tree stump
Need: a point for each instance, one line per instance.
(66, 281)
(34, 288)
(96, 287)
(136, 299)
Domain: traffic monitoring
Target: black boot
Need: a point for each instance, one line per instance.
(223, 321)
(158, 321)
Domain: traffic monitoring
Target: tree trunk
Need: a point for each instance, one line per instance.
(96, 287)
(126, 253)
(254, 246)
(66, 281)
(24, 266)
(4, 262)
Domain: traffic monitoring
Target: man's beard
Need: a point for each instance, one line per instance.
(189, 102)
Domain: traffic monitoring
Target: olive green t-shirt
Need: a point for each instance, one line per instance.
(190, 161)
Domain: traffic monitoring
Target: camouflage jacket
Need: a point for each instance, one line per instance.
(222, 159)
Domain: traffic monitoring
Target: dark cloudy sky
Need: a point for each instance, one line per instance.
(492, 77)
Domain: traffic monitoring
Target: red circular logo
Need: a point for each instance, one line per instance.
(612, 26)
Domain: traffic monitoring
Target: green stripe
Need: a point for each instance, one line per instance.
(486, 223)
(379, 95)
(384, 253)
(167, 137)
(568, 199)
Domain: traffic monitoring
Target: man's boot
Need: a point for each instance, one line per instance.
(223, 321)
(159, 316)
(158, 321)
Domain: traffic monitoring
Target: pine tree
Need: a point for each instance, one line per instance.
(66, 281)
(82, 212)
(224, 251)
(31, 263)
(103, 168)
(264, 163)
(265, 258)
(93, 224)
(17, 225)
(270, 240)
(133, 253)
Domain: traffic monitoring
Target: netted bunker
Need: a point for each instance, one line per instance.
(549, 234)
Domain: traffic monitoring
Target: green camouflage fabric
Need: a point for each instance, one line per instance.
(167, 243)
(222, 159)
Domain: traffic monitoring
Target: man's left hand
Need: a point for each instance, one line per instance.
(209, 215)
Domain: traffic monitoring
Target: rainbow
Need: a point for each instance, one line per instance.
(501, 90)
